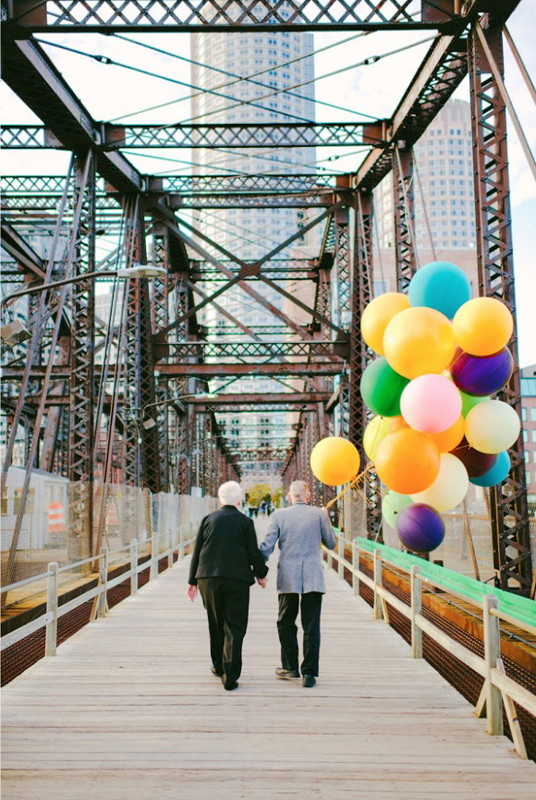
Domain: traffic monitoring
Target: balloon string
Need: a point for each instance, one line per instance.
(350, 485)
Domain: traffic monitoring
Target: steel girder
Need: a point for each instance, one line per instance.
(33, 77)
(362, 294)
(404, 218)
(82, 389)
(277, 269)
(238, 350)
(208, 185)
(244, 137)
(179, 15)
(42, 193)
(509, 506)
(207, 371)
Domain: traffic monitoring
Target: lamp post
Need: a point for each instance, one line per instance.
(137, 271)
(149, 422)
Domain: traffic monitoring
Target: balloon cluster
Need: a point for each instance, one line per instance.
(441, 356)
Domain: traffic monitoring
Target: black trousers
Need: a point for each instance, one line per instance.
(311, 606)
(227, 603)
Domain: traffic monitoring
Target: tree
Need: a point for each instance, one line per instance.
(257, 493)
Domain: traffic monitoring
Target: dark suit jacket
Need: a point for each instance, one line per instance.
(226, 547)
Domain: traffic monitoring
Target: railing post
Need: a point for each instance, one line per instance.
(170, 549)
(181, 542)
(340, 553)
(416, 608)
(51, 631)
(492, 652)
(355, 566)
(133, 566)
(154, 557)
(102, 606)
(378, 612)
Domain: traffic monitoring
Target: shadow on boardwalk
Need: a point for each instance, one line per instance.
(129, 709)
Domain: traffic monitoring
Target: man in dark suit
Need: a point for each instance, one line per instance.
(225, 562)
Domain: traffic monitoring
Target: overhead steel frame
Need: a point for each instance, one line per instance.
(441, 72)
(509, 506)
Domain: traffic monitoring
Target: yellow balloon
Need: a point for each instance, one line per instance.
(376, 429)
(419, 341)
(334, 461)
(482, 326)
(378, 313)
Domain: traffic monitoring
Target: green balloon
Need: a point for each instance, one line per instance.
(392, 504)
(381, 388)
(469, 401)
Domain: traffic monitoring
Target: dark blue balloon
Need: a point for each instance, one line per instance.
(420, 528)
(482, 375)
(496, 474)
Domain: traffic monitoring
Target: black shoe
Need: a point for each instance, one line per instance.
(287, 674)
(216, 672)
(308, 681)
(229, 685)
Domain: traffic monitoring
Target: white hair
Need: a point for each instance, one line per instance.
(298, 491)
(230, 493)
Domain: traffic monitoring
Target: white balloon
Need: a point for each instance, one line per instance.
(492, 426)
(449, 488)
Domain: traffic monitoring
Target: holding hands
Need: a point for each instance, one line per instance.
(262, 582)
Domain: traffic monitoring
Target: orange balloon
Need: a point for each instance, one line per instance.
(334, 461)
(396, 423)
(407, 459)
(378, 313)
(451, 438)
(482, 326)
(419, 341)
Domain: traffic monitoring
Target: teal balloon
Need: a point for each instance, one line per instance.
(496, 474)
(469, 401)
(381, 388)
(392, 504)
(440, 285)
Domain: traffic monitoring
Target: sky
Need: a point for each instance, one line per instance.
(111, 92)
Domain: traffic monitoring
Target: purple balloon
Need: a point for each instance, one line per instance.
(482, 375)
(420, 528)
(475, 462)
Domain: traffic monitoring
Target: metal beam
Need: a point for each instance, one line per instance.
(29, 72)
(258, 349)
(227, 370)
(179, 15)
(440, 73)
(248, 400)
(242, 136)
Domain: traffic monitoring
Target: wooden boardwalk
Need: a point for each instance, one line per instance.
(129, 709)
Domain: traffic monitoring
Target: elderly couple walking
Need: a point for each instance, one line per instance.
(227, 560)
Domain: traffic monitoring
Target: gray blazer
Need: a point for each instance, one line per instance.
(300, 530)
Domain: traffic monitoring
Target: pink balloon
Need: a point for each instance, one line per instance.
(431, 403)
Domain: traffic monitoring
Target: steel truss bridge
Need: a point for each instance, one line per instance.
(86, 389)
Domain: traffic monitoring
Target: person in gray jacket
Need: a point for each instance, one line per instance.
(300, 529)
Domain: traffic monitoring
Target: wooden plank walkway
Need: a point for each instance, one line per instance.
(129, 710)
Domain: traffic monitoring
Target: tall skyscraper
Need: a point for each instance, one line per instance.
(275, 63)
(442, 188)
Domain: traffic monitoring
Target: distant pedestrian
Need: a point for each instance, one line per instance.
(300, 530)
(225, 562)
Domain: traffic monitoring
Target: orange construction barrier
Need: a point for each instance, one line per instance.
(56, 518)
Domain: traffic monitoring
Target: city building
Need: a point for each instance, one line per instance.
(442, 189)
(274, 63)
(528, 422)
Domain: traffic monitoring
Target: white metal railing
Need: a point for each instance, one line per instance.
(49, 620)
(498, 688)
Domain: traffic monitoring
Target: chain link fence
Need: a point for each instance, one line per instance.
(45, 534)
